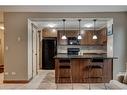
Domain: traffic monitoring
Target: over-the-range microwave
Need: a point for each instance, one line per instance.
(73, 41)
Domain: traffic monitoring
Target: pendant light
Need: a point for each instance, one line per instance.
(64, 35)
(79, 35)
(94, 36)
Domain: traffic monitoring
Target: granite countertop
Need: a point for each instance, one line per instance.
(86, 56)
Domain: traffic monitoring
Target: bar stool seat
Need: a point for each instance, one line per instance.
(95, 66)
(65, 67)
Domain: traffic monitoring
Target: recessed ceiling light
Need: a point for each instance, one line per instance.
(53, 30)
(51, 25)
(88, 25)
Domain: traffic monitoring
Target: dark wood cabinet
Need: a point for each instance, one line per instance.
(103, 36)
(61, 41)
(47, 32)
(69, 33)
(87, 37)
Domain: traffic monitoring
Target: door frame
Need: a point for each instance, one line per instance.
(33, 26)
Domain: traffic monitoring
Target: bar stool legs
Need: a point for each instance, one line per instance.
(103, 78)
(71, 77)
(69, 67)
(104, 81)
(57, 79)
(96, 64)
(89, 69)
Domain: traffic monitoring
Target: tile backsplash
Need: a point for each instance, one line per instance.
(83, 49)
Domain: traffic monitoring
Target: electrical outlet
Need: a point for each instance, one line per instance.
(13, 73)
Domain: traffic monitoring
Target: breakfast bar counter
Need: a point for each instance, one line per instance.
(78, 72)
(85, 56)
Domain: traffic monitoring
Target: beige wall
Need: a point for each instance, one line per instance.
(15, 51)
(16, 25)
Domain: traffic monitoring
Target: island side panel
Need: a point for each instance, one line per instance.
(108, 70)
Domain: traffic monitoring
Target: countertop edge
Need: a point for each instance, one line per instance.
(81, 57)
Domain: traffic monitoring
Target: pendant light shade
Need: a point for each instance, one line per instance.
(94, 36)
(64, 35)
(79, 35)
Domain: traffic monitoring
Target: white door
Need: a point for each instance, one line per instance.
(38, 52)
(34, 63)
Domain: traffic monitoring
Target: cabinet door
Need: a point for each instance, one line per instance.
(49, 33)
(87, 37)
(69, 33)
(61, 41)
(103, 36)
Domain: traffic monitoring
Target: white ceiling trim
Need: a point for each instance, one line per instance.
(63, 8)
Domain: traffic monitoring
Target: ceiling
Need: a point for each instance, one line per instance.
(64, 8)
(73, 24)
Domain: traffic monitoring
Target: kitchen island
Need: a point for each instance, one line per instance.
(79, 71)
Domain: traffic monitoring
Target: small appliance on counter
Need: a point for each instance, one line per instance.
(73, 51)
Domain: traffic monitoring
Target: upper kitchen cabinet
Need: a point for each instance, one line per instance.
(103, 36)
(68, 33)
(47, 32)
(60, 41)
(87, 37)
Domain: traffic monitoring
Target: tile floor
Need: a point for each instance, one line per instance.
(35, 83)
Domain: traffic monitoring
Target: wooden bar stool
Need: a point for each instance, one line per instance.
(96, 64)
(65, 65)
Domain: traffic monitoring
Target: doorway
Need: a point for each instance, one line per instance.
(1, 53)
(35, 50)
(49, 50)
